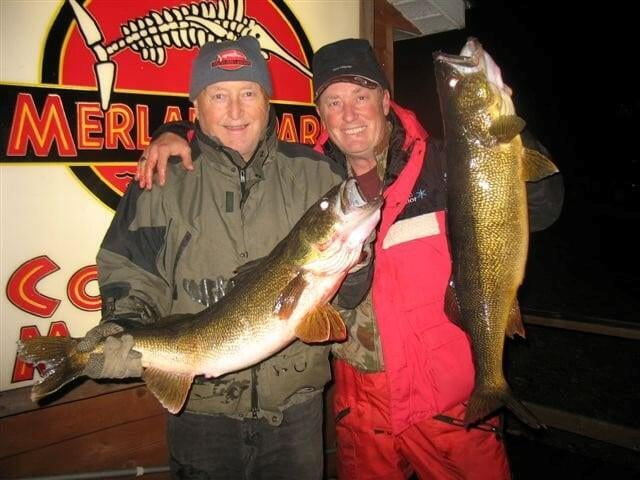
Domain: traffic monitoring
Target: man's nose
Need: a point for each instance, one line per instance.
(235, 108)
(348, 112)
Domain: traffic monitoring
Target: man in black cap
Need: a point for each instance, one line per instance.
(404, 361)
(405, 372)
(171, 250)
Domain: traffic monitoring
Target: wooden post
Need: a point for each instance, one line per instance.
(378, 20)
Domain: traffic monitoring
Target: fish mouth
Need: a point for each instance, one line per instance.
(472, 59)
(360, 216)
(467, 62)
(354, 218)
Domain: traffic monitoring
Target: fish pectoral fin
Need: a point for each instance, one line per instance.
(514, 324)
(324, 324)
(536, 166)
(337, 328)
(170, 389)
(506, 127)
(451, 304)
(289, 296)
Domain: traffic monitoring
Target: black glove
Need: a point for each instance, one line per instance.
(117, 359)
(355, 287)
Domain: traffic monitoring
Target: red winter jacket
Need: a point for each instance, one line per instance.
(427, 358)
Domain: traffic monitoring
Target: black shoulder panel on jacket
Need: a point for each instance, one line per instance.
(429, 193)
(297, 150)
(141, 246)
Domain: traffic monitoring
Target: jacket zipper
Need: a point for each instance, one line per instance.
(242, 172)
(243, 180)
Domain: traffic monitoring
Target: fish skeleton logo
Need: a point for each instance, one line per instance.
(138, 58)
(231, 60)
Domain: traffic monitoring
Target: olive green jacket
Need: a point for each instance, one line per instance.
(166, 249)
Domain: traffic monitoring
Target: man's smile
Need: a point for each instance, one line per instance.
(354, 130)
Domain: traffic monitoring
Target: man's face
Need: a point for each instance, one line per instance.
(237, 113)
(354, 117)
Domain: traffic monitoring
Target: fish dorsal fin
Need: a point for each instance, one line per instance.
(324, 324)
(170, 389)
(243, 273)
(289, 296)
(536, 166)
(506, 127)
(451, 304)
(245, 269)
(514, 324)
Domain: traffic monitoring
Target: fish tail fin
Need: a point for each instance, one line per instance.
(523, 413)
(61, 365)
(485, 401)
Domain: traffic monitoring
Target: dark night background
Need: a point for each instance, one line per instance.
(572, 68)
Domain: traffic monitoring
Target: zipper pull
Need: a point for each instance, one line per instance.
(243, 189)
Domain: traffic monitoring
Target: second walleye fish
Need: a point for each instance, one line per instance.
(487, 167)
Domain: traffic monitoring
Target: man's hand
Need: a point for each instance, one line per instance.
(117, 360)
(156, 156)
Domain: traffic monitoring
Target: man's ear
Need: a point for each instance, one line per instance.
(319, 115)
(195, 106)
(386, 101)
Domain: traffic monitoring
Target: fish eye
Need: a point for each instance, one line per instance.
(324, 204)
(453, 82)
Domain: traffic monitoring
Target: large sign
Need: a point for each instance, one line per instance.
(79, 107)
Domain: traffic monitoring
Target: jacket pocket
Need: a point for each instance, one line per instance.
(449, 362)
(298, 370)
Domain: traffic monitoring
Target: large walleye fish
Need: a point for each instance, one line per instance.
(275, 300)
(487, 167)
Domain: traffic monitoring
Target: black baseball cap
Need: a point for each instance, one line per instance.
(349, 60)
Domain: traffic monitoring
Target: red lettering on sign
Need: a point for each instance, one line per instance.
(142, 126)
(287, 130)
(40, 130)
(88, 123)
(22, 287)
(119, 122)
(77, 289)
(309, 129)
(172, 114)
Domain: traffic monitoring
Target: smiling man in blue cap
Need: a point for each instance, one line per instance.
(172, 250)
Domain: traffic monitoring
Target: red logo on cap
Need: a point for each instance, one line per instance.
(231, 60)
